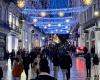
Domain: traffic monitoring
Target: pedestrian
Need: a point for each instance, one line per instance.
(66, 64)
(96, 63)
(26, 62)
(12, 56)
(36, 64)
(87, 57)
(93, 50)
(17, 69)
(6, 55)
(44, 71)
(56, 63)
(1, 73)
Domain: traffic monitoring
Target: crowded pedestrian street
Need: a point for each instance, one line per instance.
(49, 39)
(78, 71)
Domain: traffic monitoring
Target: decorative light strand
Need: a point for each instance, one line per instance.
(54, 11)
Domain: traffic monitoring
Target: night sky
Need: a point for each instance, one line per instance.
(58, 4)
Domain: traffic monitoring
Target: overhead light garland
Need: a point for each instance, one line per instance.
(51, 18)
(49, 25)
(35, 20)
(60, 12)
(59, 25)
(43, 14)
(42, 20)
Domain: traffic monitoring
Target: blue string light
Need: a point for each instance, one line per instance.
(55, 11)
(50, 21)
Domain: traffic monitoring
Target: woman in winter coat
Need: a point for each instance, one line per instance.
(17, 70)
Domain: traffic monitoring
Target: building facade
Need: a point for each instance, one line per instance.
(9, 26)
(88, 27)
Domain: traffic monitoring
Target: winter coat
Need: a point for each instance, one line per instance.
(17, 70)
(95, 60)
(66, 62)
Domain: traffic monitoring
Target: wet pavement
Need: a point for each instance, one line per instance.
(78, 70)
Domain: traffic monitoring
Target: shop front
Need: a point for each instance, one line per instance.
(12, 41)
(2, 44)
(4, 29)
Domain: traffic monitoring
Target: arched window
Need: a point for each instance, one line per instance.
(92, 35)
(10, 19)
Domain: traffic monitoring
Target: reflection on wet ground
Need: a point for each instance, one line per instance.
(78, 71)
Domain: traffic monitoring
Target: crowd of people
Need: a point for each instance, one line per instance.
(60, 56)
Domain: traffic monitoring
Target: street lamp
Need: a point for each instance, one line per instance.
(20, 3)
(87, 2)
(96, 13)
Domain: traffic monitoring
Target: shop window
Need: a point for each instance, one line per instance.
(87, 36)
(14, 22)
(17, 22)
(92, 35)
(10, 19)
(93, 43)
(9, 43)
(87, 45)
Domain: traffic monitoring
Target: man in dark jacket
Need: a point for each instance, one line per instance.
(66, 64)
(44, 72)
(88, 64)
(26, 63)
(55, 62)
(12, 56)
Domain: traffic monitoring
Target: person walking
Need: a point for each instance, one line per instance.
(93, 50)
(12, 56)
(96, 63)
(88, 64)
(6, 55)
(26, 63)
(66, 64)
(44, 71)
(56, 63)
(17, 69)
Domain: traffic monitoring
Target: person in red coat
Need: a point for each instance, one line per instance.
(17, 70)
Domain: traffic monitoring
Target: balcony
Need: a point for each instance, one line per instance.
(91, 23)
